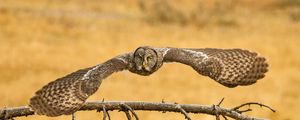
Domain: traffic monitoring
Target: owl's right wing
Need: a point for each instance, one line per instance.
(229, 67)
(66, 95)
(62, 96)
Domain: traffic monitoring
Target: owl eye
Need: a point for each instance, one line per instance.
(140, 59)
(149, 58)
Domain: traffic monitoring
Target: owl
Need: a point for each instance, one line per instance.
(229, 67)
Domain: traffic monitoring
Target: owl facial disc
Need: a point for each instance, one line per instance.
(145, 60)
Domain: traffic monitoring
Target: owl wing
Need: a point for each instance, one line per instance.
(229, 67)
(66, 95)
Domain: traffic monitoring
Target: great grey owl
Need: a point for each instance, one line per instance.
(229, 67)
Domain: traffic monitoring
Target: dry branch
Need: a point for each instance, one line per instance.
(145, 106)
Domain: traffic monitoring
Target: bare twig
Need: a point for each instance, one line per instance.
(216, 111)
(145, 106)
(128, 108)
(104, 113)
(108, 115)
(243, 111)
(224, 117)
(127, 114)
(220, 102)
(73, 116)
(186, 116)
(252, 103)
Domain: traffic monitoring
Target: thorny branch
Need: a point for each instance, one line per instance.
(106, 106)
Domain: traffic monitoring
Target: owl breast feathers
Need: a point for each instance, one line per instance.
(229, 67)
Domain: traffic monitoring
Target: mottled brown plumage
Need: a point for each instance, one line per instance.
(66, 95)
(229, 67)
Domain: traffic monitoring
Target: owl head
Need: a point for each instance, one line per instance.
(146, 61)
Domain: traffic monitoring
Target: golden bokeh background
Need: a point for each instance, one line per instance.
(41, 40)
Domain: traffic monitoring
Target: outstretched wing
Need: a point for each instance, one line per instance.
(66, 95)
(230, 67)
(62, 96)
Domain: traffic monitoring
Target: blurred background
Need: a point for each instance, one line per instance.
(41, 40)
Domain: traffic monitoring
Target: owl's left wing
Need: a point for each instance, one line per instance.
(66, 95)
(229, 67)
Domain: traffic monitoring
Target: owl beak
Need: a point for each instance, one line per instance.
(147, 69)
(145, 61)
(139, 67)
(145, 66)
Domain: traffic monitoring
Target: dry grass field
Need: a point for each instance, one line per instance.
(41, 40)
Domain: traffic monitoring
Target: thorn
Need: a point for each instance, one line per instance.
(220, 102)
(163, 101)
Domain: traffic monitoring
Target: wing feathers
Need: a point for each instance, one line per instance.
(66, 95)
(60, 96)
(230, 67)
